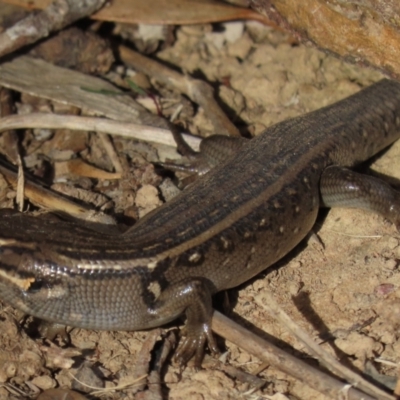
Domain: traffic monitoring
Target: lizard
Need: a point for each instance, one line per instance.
(235, 221)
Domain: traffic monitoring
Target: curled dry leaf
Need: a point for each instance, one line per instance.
(79, 167)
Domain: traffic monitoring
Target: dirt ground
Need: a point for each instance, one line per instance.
(343, 289)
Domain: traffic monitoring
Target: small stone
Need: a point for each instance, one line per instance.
(44, 382)
(390, 264)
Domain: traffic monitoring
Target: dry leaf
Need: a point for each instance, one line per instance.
(172, 12)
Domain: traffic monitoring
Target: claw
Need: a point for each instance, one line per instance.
(193, 346)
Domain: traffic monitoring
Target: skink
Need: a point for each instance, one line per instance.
(232, 223)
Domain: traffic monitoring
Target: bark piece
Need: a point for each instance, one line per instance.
(365, 32)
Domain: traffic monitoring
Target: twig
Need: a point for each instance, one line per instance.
(9, 138)
(125, 129)
(324, 357)
(110, 150)
(37, 26)
(20, 185)
(287, 363)
(198, 91)
(46, 198)
(99, 390)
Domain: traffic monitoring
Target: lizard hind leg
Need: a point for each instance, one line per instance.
(192, 297)
(341, 187)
